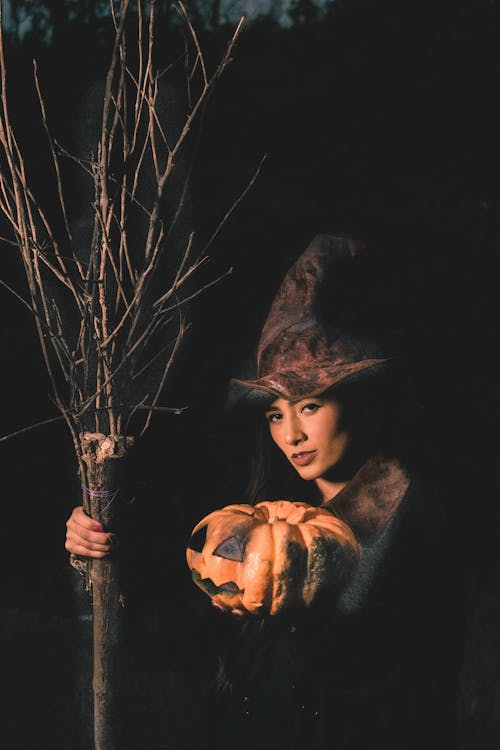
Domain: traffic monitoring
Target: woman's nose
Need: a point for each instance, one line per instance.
(294, 433)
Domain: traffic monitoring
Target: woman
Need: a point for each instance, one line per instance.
(375, 667)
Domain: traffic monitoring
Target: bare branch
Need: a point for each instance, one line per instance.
(18, 296)
(52, 148)
(199, 291)
(151, 362)
(199, 56)
(164, 409)
(84, 164)
(180, 336)
(235, 205)
(109, 253)
(180, 269)
(35, 426)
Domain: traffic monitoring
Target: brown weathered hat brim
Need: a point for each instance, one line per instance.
(294, 386)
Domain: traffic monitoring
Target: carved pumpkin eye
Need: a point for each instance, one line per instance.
(230, 549)
(198, 539)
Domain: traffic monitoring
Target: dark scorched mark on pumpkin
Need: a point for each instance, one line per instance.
(211, 589)
(328, 564)
(292, 578)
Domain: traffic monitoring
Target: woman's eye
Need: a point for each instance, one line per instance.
(272, 418)
(310, 408)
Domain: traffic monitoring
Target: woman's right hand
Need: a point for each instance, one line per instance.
(85, 537)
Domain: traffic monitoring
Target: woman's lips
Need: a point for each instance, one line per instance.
(303, 458)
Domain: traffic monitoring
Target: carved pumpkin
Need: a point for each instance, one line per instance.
(271, 557)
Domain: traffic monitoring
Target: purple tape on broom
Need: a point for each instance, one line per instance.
(112, 494)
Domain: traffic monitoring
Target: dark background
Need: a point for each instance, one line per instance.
(380, 120)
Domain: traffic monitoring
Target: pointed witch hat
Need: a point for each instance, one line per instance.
(300, 355)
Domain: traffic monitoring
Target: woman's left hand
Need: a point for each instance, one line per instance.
(235, 612)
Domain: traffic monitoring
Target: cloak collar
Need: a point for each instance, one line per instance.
(369, 501)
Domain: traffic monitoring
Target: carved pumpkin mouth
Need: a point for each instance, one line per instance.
(230, 588)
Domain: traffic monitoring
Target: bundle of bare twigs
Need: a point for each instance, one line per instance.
(97, 329)
(109, 318)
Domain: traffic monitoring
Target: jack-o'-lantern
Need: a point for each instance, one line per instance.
(271, 557)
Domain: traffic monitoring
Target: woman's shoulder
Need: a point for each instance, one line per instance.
(431, 499)
(371, 499)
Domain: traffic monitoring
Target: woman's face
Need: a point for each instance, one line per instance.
(309, 434)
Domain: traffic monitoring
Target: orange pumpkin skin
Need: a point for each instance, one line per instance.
(272, 557)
